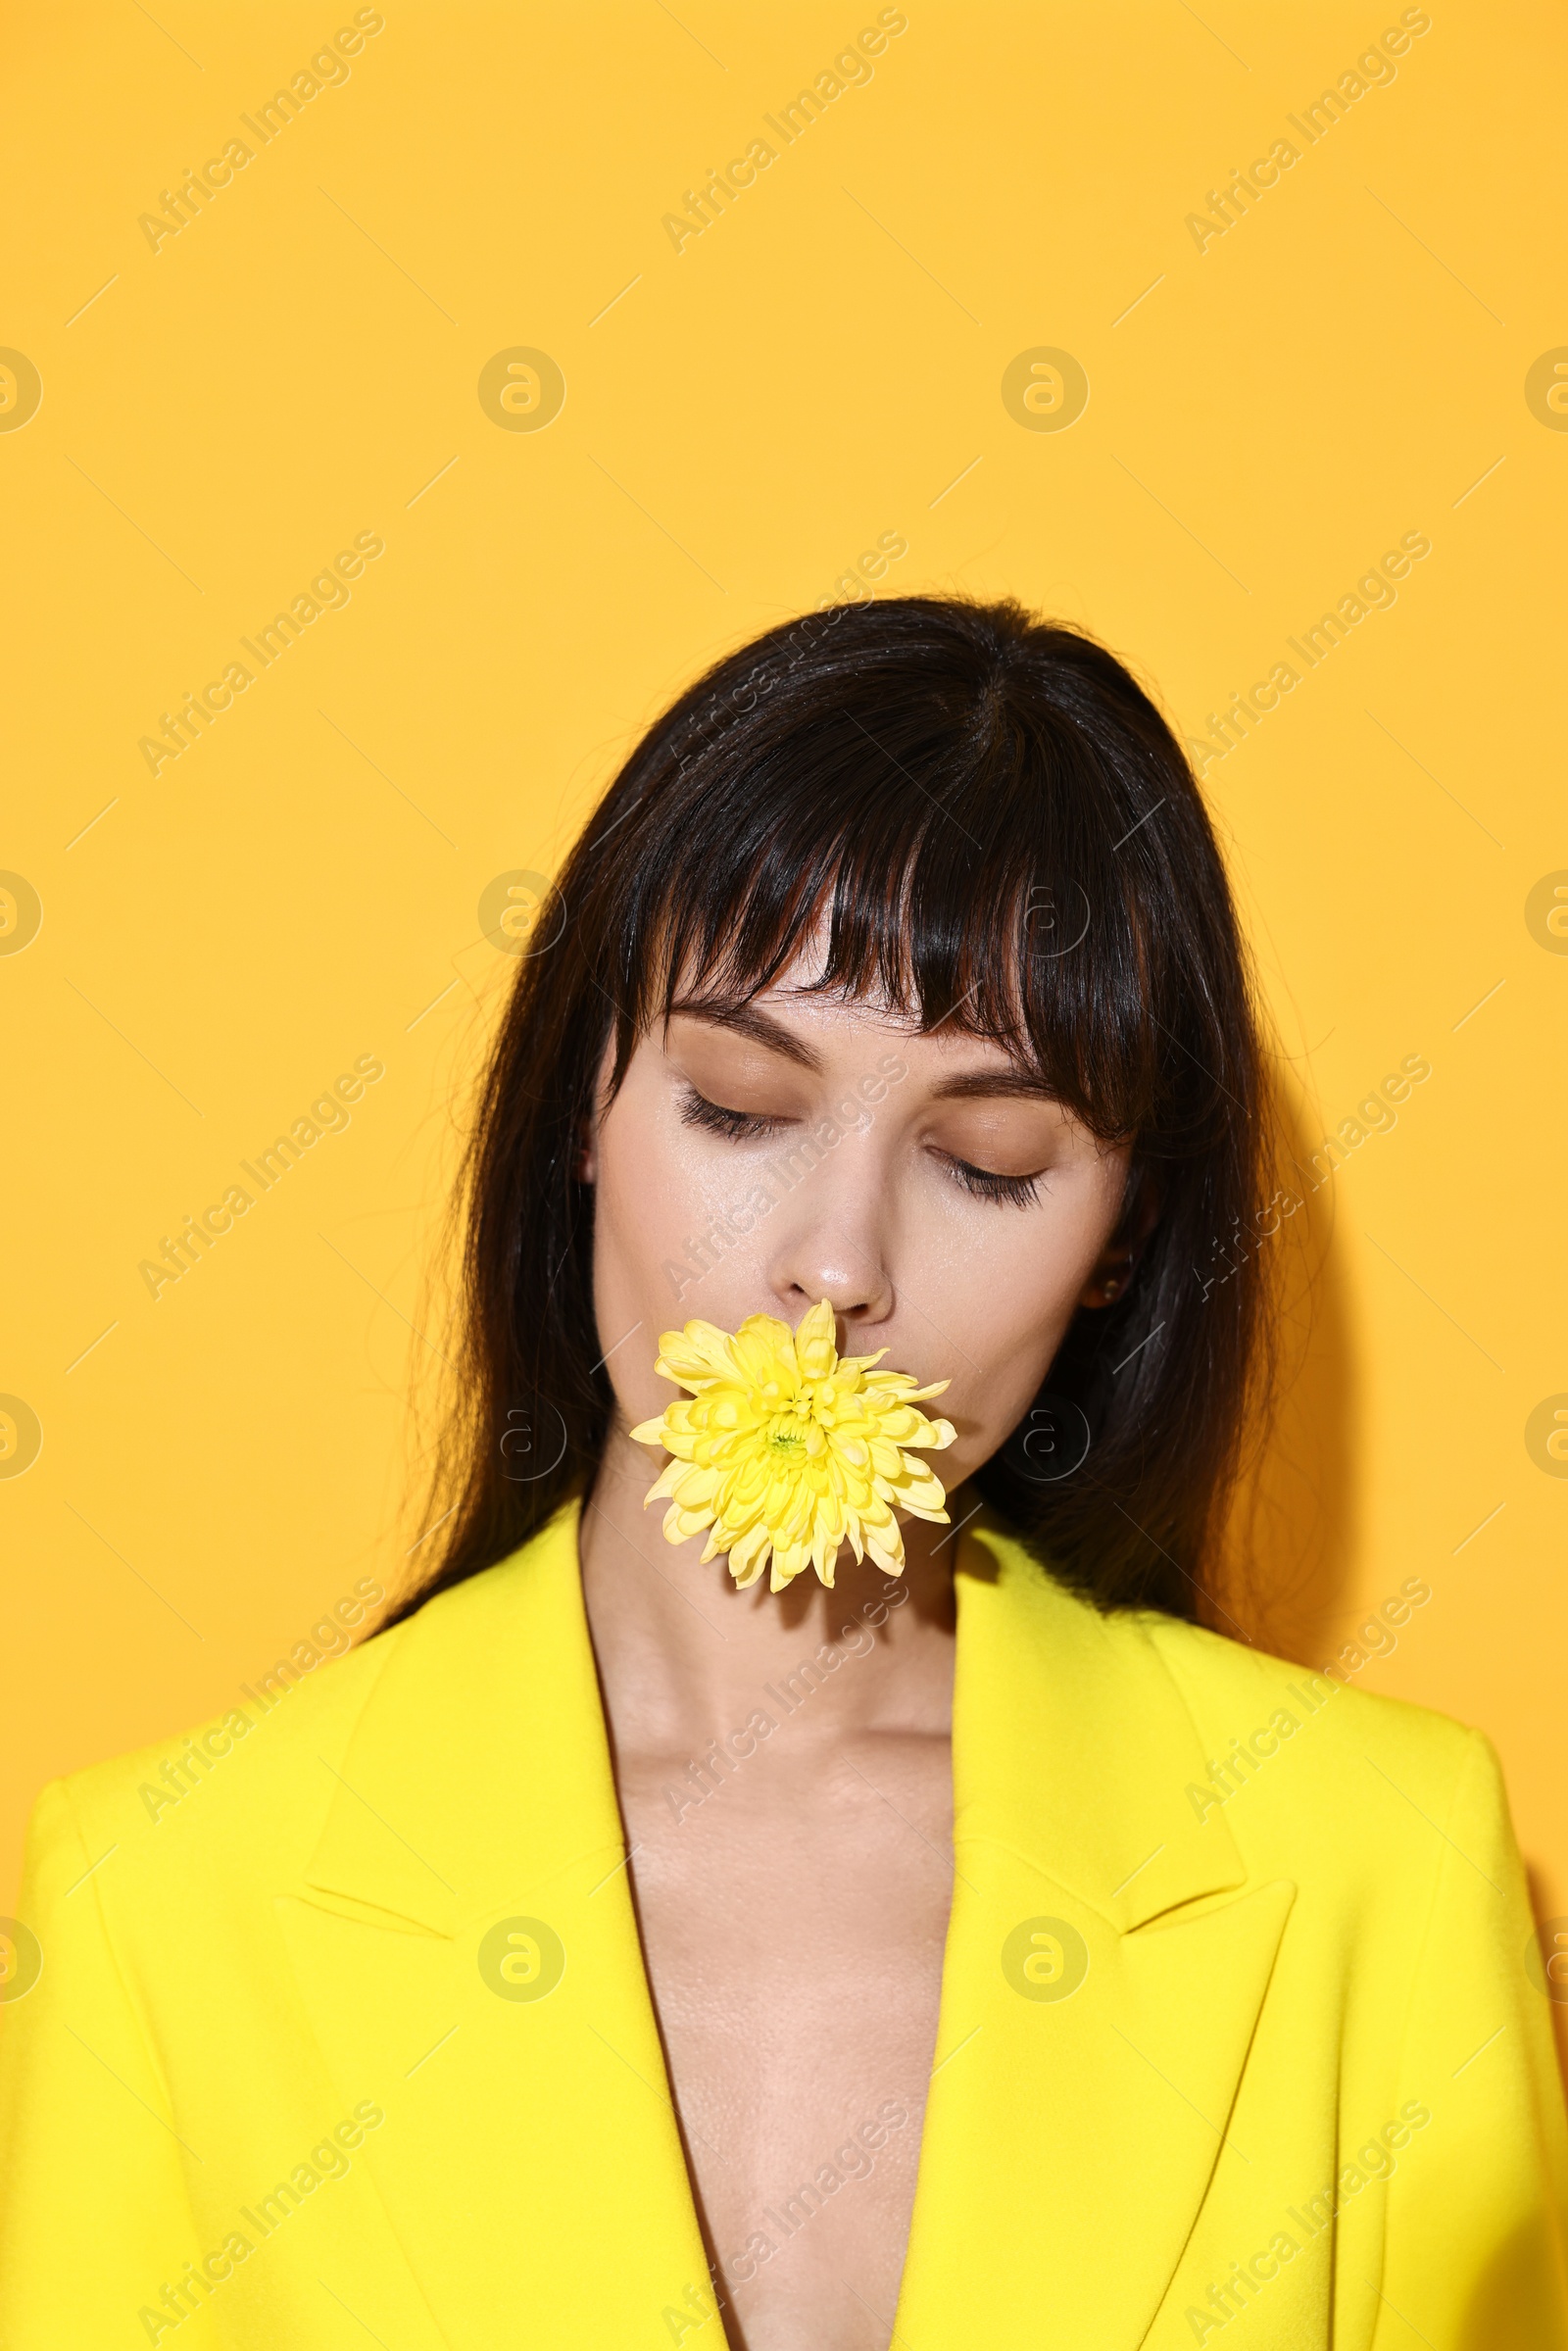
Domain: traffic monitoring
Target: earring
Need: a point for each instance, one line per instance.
(1110, 1288)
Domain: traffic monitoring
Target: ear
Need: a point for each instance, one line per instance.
(1113, 1268)
(585, 1160)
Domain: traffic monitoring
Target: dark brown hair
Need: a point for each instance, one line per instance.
(994, 825)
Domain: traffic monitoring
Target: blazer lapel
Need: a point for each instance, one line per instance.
(1104, 1967)
(468, 1953)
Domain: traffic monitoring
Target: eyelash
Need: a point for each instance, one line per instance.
(1015, 1191)
(739, 1126)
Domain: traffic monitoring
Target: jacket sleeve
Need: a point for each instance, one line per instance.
(93, 2185)
(1474, 2255)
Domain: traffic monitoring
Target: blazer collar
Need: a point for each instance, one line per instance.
(530, 2166)
(1071, 1743)
(478, 1786)
(1076, 2120)
(480, 1762)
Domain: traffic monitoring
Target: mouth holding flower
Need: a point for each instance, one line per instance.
(786, 1448)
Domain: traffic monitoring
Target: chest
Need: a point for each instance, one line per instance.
(793, 1913)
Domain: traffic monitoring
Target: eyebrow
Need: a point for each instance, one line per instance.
(1015, 1083)
(759, 1028)
(745, 1020)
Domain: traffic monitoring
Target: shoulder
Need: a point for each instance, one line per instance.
(1311, 1777)
(1245, 1705)
(238, 1802)
(245, 1792)
(1305, 1765)
(1235, 1693)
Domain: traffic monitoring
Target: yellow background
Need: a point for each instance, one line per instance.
(742, 418)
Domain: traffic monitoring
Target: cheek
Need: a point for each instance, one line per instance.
(662, 1253)
(1007, 1345)
(1004, 1301)
(640, 1226)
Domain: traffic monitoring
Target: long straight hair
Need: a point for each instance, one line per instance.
(989, 823)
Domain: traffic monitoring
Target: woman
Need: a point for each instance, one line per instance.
(958, 1934)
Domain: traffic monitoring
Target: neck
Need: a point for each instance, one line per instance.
(684, 1656)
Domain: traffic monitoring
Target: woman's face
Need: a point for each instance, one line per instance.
(806, 1147)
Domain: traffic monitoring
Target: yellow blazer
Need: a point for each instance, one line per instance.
(353, 2038)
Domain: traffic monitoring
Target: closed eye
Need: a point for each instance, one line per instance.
(696, 1110)
(1017, 1191)
(739, 1126)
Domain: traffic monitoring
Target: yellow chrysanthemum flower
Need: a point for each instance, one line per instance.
(785, 1448)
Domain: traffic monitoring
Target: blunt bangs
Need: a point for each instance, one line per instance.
(1000, 864)
(968, 816)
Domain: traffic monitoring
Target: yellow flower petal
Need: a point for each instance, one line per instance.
(782, 1450)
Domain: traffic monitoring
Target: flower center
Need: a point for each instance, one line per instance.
(789, 1444)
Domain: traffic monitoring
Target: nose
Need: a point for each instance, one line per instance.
(828, 1243)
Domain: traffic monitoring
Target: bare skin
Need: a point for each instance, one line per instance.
(793, 1899)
